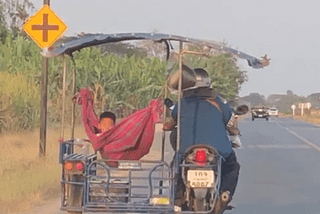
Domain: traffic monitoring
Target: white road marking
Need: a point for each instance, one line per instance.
(309, 128)
(313, 145)
(279, 146)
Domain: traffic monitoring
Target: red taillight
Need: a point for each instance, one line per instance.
(71, 166)
(201, 156)
(68, 166)
(79, 166)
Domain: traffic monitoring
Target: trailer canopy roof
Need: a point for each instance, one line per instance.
(87, 40)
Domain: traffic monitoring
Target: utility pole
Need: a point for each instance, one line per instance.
(43, 102)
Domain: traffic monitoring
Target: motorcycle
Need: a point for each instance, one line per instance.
(198, 175)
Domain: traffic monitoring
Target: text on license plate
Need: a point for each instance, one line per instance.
(201, 178)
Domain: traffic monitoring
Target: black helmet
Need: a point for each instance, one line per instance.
(202, 78)
(188, 78)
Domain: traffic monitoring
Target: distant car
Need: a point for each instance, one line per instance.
(260, 112)
(273, 112)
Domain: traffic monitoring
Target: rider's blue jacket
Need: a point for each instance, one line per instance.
(203, 123)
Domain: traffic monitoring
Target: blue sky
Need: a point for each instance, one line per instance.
(287, 30)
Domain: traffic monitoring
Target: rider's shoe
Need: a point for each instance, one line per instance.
(236, 143)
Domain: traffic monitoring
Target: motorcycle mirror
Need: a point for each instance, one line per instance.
(232, 102)
(242, 109)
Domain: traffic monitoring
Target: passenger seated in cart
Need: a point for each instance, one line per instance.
(107, 121)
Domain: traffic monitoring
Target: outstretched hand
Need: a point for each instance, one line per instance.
(168, 102)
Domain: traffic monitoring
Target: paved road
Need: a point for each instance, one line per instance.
(280, 167)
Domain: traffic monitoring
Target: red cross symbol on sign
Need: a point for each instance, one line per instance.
(45, 27)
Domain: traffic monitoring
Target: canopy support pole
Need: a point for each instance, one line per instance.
(63, 97)
(73, 119)
(164, 120)
(180, 95)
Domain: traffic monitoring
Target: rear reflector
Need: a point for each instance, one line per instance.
(79, 166)
(74, 166)
(68, 166)
(159, 200)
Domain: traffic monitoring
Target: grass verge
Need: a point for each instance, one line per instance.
(309, 119)
(26, 179)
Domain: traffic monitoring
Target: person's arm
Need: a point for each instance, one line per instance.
(226, 110)
(172, 120)
(174, 112)
(230, 122)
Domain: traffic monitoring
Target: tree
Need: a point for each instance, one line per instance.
(255, 99)
(153, 49)
(13, 14)
(226, 76)
(289, 93)
(122, 48)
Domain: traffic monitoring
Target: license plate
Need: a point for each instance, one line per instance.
(260, 115)
(201, 178)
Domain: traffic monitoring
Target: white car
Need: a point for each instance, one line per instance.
(273, 112)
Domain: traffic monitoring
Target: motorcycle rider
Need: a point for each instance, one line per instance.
(205, 118)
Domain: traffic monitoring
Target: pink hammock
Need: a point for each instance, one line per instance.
(131, 139)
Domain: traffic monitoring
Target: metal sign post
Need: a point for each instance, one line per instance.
(293, 107)
(43, 102)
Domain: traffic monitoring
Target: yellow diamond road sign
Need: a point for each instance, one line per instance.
(45, 27)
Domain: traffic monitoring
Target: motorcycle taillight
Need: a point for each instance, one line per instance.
(201, 157)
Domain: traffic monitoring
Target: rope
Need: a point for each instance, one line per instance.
(162, 89)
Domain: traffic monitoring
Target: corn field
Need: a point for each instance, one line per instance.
(120, 83)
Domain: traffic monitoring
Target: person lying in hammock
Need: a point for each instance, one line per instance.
(130, 139)
(107, 121)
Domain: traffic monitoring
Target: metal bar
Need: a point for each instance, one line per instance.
(196, 53)
(133, 178)
(130, 187)
(63, 97)
(164, 120)
(180, 94)
(74, 104)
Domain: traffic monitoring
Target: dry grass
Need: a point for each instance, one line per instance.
(27, 179)
(309, 118)
(313, 118)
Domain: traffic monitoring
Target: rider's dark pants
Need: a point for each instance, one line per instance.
(229, 173)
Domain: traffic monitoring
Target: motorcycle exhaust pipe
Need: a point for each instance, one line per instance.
(225, 196)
